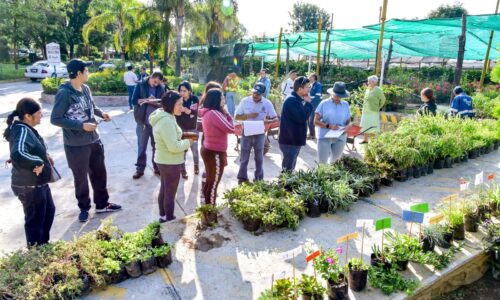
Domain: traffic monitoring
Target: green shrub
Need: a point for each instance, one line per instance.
(50, 85)
(107, 82)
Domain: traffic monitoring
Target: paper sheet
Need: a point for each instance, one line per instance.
(253, 128)
(335, 134)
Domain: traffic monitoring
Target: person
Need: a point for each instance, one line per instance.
(462, 104)
(332, 114)
(75, 111)
(429, 106)
(373, 102)
(265, 80)
(187, 122)
(217, 125)
(31, 170)
(287, 87)
(293, 124)
(315, 93)
(254, 108)
(230, 87)
(145, 101)
(131, 81)
(169, 156)
(143, 74)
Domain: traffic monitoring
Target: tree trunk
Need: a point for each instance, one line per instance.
(287, 58)
(120, 41)
(325, 49)
(151, 57)
(179, 25)
(460, 56)
(251, 61)
(16, 50)
(388, 61)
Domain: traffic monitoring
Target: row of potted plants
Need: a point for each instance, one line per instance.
(66, 270)
(418, 146)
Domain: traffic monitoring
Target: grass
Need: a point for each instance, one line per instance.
(8, 71)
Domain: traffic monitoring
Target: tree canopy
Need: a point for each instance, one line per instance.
(305, 17)
(448, 11)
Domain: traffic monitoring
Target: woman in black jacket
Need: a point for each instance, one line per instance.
(31, 170)
(429, 106)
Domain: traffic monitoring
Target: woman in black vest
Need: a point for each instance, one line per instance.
(31, 170)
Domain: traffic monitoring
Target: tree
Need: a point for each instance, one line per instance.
(148, 31)
(448, 11)
(305, 17)
(179, 14)
(77, 17)
(164, 8)
(120, 13)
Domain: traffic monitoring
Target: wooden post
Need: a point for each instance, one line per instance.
(309, 65)
(318, 52)
(362, 242)
(487, 56)
(401, 62)
(388, 61)
(251, 60)
(381, 39)
(287, 58)
(278, 57)
(327, 41)
(460, 56)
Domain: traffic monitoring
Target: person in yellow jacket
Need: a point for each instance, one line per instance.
(170, 149)
(374, 100)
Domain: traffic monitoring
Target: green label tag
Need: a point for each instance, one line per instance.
(421, 207)
(383, 224)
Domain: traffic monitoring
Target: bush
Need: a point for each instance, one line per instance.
(107, 82)
(50, 85)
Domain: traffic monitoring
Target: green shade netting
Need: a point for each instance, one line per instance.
(421, 38)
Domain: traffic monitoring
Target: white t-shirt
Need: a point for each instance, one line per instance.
(288, 87)
(130, 78)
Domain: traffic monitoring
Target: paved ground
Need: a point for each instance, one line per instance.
(227, 262)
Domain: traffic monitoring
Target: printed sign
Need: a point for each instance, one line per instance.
(479, 178)
(53, 53)
(421, 207)
(436, 219)
(291, 253)
(347, 237)
(364, 223)
(413, 216)
(383, 224)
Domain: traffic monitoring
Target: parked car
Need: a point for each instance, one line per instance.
(109, 64)
(43, 69)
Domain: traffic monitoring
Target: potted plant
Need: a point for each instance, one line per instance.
(207, 213)
(282, 289)
(163, 255)
(148, 262)
(307, 194)
(310, 288)
(327, 265)
(432, 235)
(403, 248)
(493, 195)
(447, 233)
(471, 216)
(358, 274)
(129, 252)
(378, 257)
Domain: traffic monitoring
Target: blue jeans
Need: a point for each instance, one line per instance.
(247, 143)
(290, 154)
(144, 134)
(130, 90)
(330, 149)
(230, 102)
(194, 150)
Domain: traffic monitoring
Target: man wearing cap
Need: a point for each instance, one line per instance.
(332, 114)
(462, 104)
(254, 108)
(74, 110)
(266, 81)
(293, 124)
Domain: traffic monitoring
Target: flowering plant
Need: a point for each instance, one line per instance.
(492, 244)
(328, 265)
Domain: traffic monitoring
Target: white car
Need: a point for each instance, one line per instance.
(109, 64)
(42, 69)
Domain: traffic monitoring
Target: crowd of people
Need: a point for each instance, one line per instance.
(171, 121)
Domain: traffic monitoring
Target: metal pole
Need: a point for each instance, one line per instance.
(381, 39)
(278, 57)
(487, 56)
(309, 66)
(318, 53)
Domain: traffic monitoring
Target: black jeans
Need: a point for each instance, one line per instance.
(39, 211)
(88, 162)
(170, 177)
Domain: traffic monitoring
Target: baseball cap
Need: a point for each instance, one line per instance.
(259, 88)
(76, 65)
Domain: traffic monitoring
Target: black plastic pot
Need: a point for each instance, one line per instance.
(446, 241)
(149, 265)
(416, 172)
(134, 269)
(496, 145)
(471, 222)
(323, 206)
(401, 175)
(339, 291)
(423, 170)
(409, 172)
(457, 160)
(117, 277)
(490, 148)
(459, 232)
(439, 164)
(448, 162)
(312, 297)
(473, 153)
(483, 210)
(493, 208)
(427, 244)
(430, 168)
(376, 185)
(86, 288)
(482, 150)
(465, 157)
(357, 279)
(251, 225)
(165, 260)
(376, 261)
(386, 181)
(313, 210)
(402, 265)
(158, 240)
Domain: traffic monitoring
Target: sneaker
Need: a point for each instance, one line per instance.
(83, 216)
(110, 208)
(364, 142)
(184, 174)
(137, 175)
(196, 170)
(157, 172)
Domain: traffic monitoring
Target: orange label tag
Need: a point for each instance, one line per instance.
(347, 237)
(313, 255)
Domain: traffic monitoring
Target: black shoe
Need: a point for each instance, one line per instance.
(184, 174)
(137, 175)
(162, 220)
(196, 170)
(110, 208)
(157, 172)
(364, 142)
(83, 216)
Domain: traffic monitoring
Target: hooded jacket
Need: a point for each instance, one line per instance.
(169, 146)
(27, 151)
(293, 123)
(216, 127)
(71, 109)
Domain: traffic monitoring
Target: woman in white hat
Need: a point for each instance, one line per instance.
(373, 102)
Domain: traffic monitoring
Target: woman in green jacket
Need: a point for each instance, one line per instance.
(170, 149)
(373, 102)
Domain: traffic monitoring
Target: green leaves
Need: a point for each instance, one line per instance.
(390, 281)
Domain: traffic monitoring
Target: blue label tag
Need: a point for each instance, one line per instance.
(413, 216)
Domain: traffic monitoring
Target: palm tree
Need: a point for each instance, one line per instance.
(179, 14)
(149, 30)
(119, 13)
(164, 8)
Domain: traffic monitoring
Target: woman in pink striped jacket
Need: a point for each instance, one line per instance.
(217, 124)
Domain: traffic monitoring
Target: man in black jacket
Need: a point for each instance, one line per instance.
(293, 124)
(74, 110)
(145, 101)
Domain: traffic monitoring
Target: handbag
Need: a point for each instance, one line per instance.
(54, 174)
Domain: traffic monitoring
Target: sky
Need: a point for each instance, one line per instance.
(267, 16)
